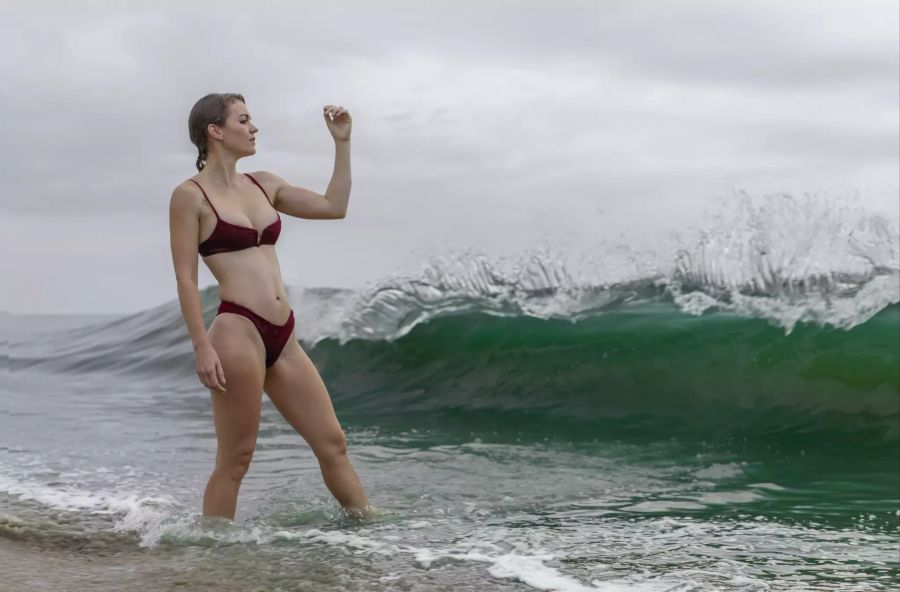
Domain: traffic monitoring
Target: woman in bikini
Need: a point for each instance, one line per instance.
(232, 220)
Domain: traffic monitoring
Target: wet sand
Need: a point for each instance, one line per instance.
(36, 567)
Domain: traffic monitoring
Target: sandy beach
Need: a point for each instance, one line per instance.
(47, 566)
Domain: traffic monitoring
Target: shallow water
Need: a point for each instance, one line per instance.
(732, 423)
(472, 492)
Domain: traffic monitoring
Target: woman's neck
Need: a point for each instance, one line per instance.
(221, 173)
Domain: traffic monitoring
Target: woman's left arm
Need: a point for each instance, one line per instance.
(304, 203)
(339, 123)
(338, 192)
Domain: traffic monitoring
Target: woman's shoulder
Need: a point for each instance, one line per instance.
(190, 182)
(189, 186)
(265, 177)
(186, 195)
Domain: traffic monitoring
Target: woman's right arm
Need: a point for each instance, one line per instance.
(184, 230)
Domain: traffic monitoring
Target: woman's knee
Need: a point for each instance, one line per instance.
(236, 463)
(332, 447)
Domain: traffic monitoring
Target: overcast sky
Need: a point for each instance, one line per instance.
(488, 125)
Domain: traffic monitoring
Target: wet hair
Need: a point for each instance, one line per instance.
(213, 108)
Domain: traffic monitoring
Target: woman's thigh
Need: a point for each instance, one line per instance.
(236, 411)
(298, 392)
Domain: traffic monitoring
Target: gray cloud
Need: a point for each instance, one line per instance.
(466, 115)
(802, 44)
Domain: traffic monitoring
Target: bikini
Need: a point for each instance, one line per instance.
(227, 237)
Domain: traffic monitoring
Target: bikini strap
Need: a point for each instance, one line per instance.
(261, 187)
(207, 199)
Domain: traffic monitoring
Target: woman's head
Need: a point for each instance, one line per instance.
(221, 120)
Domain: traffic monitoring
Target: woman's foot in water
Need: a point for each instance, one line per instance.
(367, 513)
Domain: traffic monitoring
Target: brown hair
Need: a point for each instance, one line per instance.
(213, 108)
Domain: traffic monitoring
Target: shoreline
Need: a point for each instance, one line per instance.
(47, 567)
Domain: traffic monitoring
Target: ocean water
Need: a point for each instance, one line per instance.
(718, 413)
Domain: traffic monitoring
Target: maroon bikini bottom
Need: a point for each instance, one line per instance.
(274, 336)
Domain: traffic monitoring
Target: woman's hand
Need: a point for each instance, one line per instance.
(338, 121)
(209, 369)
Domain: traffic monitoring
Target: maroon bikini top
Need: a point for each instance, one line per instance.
(227, 237)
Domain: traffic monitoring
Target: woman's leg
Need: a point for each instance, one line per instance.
(298, 392)
(236, 411)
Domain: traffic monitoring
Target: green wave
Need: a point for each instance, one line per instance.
(644, 368)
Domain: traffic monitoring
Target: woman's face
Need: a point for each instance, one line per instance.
(238, 135)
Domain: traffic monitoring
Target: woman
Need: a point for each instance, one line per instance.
(232, 220)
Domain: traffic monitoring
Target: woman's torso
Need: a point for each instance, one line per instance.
(249, 276)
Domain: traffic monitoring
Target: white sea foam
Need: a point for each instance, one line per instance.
(719, 471)
(157, 518)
